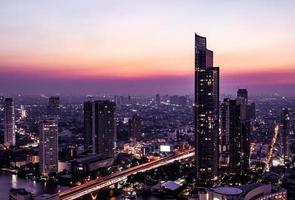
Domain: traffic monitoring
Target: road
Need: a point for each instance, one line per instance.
(270, 152)
(95, 185)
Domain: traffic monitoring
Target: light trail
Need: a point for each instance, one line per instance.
(95, 185)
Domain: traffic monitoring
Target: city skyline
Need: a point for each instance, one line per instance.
(135, 46)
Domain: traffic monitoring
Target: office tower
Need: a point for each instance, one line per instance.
(134, 128)
(100, 126)
(285, 134)
(9, 122)
(104, 128)
(242, 96)
(224, 135)
(48, 146)
(206, 111)
(246, 115)
(158, 99)
(252, 111)
(129, 100)
(234, 136)
(88, 124)
(235, 147)
(53, 106)
(245, 144)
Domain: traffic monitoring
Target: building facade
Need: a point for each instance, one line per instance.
(48, 146)
(53, 106)
(9, 122)
(206, 111)
(100, 126)
(88, 124)
(104, 128)
(134, 128)
(235, 133)
(285, 134)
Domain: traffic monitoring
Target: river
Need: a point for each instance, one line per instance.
(8, 181)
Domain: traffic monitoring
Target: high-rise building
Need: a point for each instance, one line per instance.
(53, 106)
(242, 96)
(285, 134)
(9, 122)
(206, 111)
(246, 115)
(88, 124)
(48, 146)
(100, 126)
(158, 99)
(134, 128)
(224, 135)
(117, 101)
(252, 111)
(104, 128)
(235, 147)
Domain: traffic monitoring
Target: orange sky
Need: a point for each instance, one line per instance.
(131, 39)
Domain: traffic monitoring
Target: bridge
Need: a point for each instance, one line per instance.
(93, 186)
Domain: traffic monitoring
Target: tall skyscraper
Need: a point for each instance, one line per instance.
(48, 146)
(236, 118)
(9, 122)
(88, 124)
(206, 111)
(134, 128)
(246, 115)
(285, 134)
(104, 128)
(224, 136)
(100, 126)
(158, 99)
(242, 96)
(53, 106)
(235, 130)
(232, 130)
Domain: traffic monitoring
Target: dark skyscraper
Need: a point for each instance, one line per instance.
(104, 128)
(235, 130)
(134, 128)
(53, 106)
(246, 114)
(206, 111)
(158, 99)
(9, 122)
(224, 136)
(88, 124)
(100, 127)
(233, 134)
(242, 96)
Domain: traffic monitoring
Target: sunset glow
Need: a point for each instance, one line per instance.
(144, 39)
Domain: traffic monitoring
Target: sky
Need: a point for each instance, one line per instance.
(144, 47)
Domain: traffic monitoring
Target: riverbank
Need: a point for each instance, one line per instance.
(8, 181)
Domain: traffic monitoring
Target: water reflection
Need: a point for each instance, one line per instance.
(8, 181)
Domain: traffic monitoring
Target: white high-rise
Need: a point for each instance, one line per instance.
(48, 146)
(9, 122)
